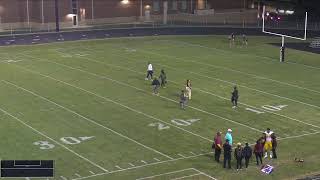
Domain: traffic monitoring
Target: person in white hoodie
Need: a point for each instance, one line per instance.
(149, 71)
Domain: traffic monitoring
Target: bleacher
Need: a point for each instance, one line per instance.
(315, 43)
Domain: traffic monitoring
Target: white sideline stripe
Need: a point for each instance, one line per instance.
(163, 97)
(231, 82)
(44, 135)
(87, 119)
(183, 177)
(110, 100)
(274, 113)
(243, 54)
(204, 174)
(294, 119)
(146, 165)
(301, 135)
(172, 172)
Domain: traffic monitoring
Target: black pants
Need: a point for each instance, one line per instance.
(227, 159)
(163, 82)
(149, 74)
(239, 163)
(274, 153)
(246, 159)
(217, 153)
(259, 158)
(234, 101)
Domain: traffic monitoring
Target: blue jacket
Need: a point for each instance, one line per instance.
(229, 137)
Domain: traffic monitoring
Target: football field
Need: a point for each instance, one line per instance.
(87, 106)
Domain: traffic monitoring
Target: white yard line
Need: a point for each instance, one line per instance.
(112, 101)
(44, 135)
(163, 97)
(168, 173)
(301, 135)
(274, 113)
(87, 119)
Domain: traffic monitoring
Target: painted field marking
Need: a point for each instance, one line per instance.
(192, 153)
(144, 162)
(62, 177)
(163, 97)
(156, 159)
(183, 177)
(91, 172)
(88, 119)
(110, 100)
(44, 135)
(78, 175)
(252, 107)
(132, 165)
(181, 155)
(118, 167)
(168, 173)
(204, 174)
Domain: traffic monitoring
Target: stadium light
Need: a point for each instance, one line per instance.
(125, 2)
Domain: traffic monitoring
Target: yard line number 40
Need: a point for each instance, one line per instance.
(179, 122)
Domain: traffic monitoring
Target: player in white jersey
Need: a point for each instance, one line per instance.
(268, 143)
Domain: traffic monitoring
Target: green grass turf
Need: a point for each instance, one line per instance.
(97, 89)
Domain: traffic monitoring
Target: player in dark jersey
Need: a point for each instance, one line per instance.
(235, 97)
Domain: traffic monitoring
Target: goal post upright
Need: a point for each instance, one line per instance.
(283, 36)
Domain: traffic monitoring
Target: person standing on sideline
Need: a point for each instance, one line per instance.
(156, 85)
(227, 149)
(238, 154)
(217, 146)
(149, 71)
(247, 153)
(258, 151)
(188, 89)
(183, 100)
(274, 145)
(228, 136)
(234, 97)
(244, 40)
(163, 78)
(268, 143)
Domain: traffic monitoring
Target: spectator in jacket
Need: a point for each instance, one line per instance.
(217, 146)
(227, 149)
(247, 153)
(258, 151)
(228, 136)
(274, 145)
(238, 154)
